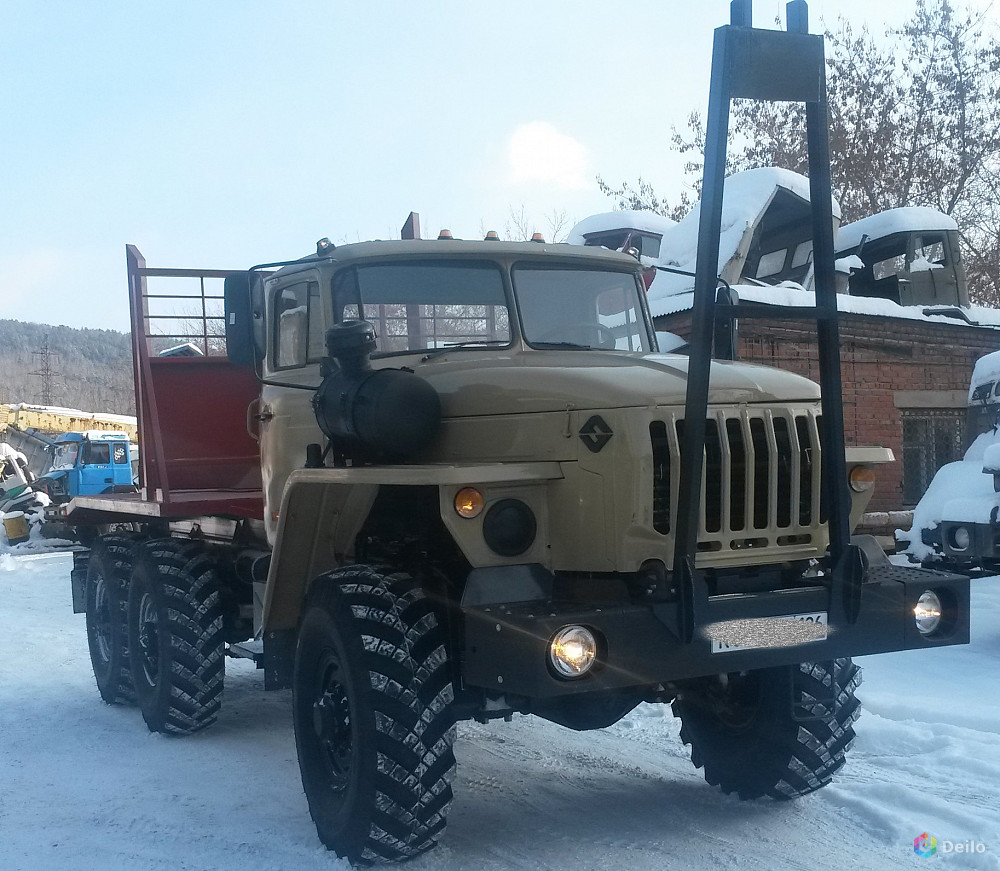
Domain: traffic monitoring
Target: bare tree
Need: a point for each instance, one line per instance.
(914, 121)
(519, 226)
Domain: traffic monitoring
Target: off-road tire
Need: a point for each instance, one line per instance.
(374, 726)
(109, 571)
(765, 751)
(175, 625)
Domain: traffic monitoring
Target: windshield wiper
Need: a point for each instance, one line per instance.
(572, 345)
(485, 343)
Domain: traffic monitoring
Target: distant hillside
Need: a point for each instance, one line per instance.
(94, 367)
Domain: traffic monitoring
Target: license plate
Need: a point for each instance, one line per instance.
(764, 632)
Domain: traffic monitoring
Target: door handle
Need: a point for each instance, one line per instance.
(258, 414)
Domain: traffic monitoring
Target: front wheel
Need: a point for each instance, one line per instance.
(374, 727)
(742, 730)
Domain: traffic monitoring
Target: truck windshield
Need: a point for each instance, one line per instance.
(64, 455)
(563, 307)
(426, 304)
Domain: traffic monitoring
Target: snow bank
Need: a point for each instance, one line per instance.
(86, 785)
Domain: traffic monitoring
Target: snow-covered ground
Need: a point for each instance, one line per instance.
(86, 786)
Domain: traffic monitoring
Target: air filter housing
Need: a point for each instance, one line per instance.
(384, 415)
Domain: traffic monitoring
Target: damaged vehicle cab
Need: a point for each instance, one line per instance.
(956, 522)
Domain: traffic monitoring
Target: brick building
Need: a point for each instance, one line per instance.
(905, 381)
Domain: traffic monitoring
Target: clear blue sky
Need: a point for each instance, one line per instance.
(222, 134)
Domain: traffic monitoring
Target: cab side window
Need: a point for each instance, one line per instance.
(98, 453)
(298, 325)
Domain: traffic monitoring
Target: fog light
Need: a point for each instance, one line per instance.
(927, 613)
(960, 538)
(573, 651)
(509, 527)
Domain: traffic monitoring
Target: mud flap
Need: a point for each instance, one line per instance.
(78, 580)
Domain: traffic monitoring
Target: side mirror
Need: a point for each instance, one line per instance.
(727, 337)
(244, 317)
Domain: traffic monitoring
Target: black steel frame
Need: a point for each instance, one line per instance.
(773, 66)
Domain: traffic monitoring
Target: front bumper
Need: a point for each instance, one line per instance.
(506, 645)
(983, 546)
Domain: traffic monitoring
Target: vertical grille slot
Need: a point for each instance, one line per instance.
(661, 476)
(805, 470)
(785, 460)
(737, 475)
(761, 472)
(713, 477)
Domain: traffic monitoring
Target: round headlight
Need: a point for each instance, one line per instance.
(573, 651)
(960, 538)
(927, 614)
(509, 527)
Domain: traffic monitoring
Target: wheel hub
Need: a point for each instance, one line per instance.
(736, 701)
(331, 718)
(102, 621)
(148, 649)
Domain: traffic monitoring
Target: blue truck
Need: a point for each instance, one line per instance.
(87, 464)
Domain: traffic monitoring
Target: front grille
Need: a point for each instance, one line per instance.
(761, 478)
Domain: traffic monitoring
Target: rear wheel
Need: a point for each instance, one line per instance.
(175, 625)
(374, 726)
(742, 730)
(108, 572)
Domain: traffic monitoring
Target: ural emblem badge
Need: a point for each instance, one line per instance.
(595, 434)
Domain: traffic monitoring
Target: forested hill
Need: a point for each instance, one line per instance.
(92, 368)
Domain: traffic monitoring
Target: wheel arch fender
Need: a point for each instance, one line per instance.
(323, 511)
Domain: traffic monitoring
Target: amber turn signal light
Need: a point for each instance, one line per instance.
(469, 502)
(862, 478)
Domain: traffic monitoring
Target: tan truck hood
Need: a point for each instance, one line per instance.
(470, 384)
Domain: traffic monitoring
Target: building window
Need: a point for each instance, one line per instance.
(931, 438)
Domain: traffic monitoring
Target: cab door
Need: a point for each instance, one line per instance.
(121, 465)
(95, 469)
(296, 322)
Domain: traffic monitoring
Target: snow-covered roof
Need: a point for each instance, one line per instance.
(626, 219)
(893, 221)
(75, 412)
(746, 196)
(790, 294)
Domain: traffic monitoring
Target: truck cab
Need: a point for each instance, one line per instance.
(88, 463)
(956, 523)
(910, 256)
